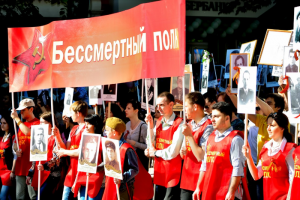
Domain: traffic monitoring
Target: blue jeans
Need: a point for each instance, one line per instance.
(98, 197)
(68, 194)
(4, 192)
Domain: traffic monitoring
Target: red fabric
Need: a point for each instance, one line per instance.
(95, 180)
(44, 174)
(4, 172)
(296, 54)
(287, 85)
(276, 174)
(143, 188)
(295, 193)
(166, 172)
(23, 163)
(191, 165)
(75, 142)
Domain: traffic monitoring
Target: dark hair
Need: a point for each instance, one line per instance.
(168, 95)
(96, 121)
(210, 96)
(237, 58)
(196, 98)
(48, 117)
(283, 122)
(10, 123)
(279, 101)
(224, 108)
(223, 94)
(135, 104)
(116, 111)
(298, 15)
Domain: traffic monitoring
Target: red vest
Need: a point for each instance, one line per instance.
(276, 174)
(219, 169)
(75, 142)
(191, 165)
(44, 174)
(23, 163)
(4, 172)
(295, 193)
(143, 188)
(166, 172)
(95, 180)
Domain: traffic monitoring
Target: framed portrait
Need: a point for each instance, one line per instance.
(176, 88)
(151, 89)
(212, 76)
(237, 59)
(272, 81)
(88, 153)
(296, 40)
(109, 92)
(68, 101)
(205, 76)
(277, 71)
(294, 97)
(227, 62)
(223, 80)
(272, 49)
(39, 142)
(95, 95)
(189, 68)
(112, 159)
(290, 65)
(247, 90)
(249, 47)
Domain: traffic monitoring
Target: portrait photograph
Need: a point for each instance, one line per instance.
(249, 47)
(111, 158)
(109, 92)
(39, 142)
(247, 90)
(227, 61)
(237, 59)
(68, 100)
(296, 35)
(176, 88)
(198, 55)
(223, 80)
(272, 50)
(150, 85)
(277, 71)
(289, 62)
(261, 74)
(294, 97)
(95, 95)
(212, 76)
(204, 81)
(272, 81)
(88, 153)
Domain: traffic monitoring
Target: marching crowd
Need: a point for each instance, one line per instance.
(203, 158)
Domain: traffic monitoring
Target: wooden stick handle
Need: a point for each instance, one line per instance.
(118, 193)
(15, 127)
(39, 183)
(87, 185)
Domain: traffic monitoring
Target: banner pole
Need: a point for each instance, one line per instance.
(52, 114)
(15, 127)
(118, 193)
(109, 105)
(183, 102)
(154, 192)
(296, 134)
(96, 109)
(245, 130)
(147, 107)
(39, 182)
(86, 186)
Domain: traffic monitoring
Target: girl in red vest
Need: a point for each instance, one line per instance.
(6, 156)
(276, 163)
(196, 134)
(295, 192)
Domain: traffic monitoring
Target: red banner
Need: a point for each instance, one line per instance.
(147, 41)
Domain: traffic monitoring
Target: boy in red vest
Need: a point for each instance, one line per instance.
(222, 169)
(166, 139)
(79, 110)
(114, 128)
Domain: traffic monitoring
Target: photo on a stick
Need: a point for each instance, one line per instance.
(151, 89)
(204, 78)
(237, 60)
(109, 92)
(176, 88)
(294, 97)
(296, 33)
(249, 47)
(212, 75)
(272, 81)
(95, 95)
(39, 142)
(68, 100)
(247, 90)
(111, 158)
(289, 62)
(89, 152)
(223, 80)
(277, 71)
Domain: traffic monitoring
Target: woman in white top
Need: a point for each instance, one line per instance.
(276, 163)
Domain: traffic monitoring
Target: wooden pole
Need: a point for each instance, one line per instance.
(39, 183)
(147, 107)
(118, 193)
(96, 109)
(52, 114)
(86, 186)
(15, 127)
(183, 101)
(109, 105)
(246, 130)
(296, 133)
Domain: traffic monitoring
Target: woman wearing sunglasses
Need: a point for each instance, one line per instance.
(276, 163)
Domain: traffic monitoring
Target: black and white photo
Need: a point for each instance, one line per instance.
(111, 158)
(88, 153)
(38, 142)
(68, 100)
(212, 76)
(151, 89)
(237, 60)
(289, 62)
(95, 95)
(109, 92)
(204, 78)
(272, 81)
(296, 42)
(294, 97)
(223, 80)
(261, 74)
(249, 47)
(247, 90)
(277, 71)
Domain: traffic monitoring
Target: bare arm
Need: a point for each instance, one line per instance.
(264, 106)
(252, 167)
(196, 149)
(59, 140)
(23, 127)
(197, 193)
(235, 181)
